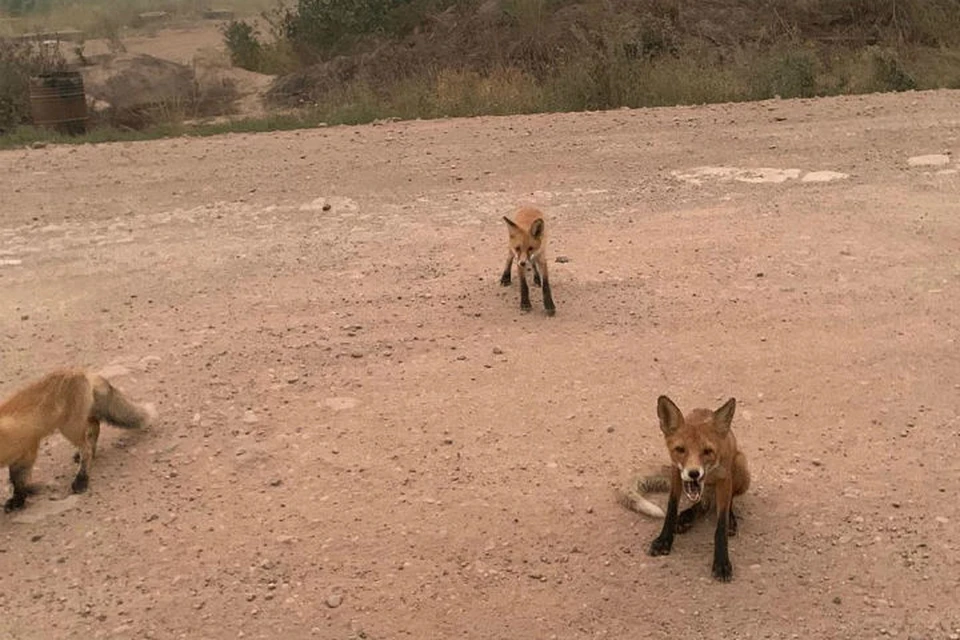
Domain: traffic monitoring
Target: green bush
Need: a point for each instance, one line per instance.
(321, 26)
(888, 72)
(789, 74)
(243, 44)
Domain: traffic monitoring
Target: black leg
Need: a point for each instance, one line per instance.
(524, 292)
(18, 478)
(536, 275)
(548, 297)
(81, 482)
(732, 525)
(505, 277)
(82, 479)
(722, 569)
(662, 544)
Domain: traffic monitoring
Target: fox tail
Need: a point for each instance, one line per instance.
(633, 495)
(109, 405)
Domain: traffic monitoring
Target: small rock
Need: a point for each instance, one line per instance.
(562, 259)
(334, 600)
(837, 600)
(326, 207)
(942, 519)
(497, 351)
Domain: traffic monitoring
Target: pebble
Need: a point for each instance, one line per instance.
(334, 601)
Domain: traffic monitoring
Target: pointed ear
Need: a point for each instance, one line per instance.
(670, 416)
(723, 416)
(536, 229)
(511, 224)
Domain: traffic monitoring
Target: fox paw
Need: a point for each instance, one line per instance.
(660, 546)
(722, 570)
(14, 504)
(80, 484)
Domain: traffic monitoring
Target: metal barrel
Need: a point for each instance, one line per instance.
(57, 101)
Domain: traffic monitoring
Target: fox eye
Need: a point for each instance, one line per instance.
(679, 450)
(707, 452)
(529, 249)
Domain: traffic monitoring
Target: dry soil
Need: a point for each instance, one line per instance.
(361, 435)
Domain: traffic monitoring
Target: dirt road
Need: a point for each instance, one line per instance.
(361, 436)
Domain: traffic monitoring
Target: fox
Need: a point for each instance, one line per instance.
(73, 401)
(527, 245)
(706, 469)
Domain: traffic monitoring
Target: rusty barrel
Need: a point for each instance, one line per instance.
(57, 101)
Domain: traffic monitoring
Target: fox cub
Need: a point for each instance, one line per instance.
(528, 246)
(71, 401)
(706, 468)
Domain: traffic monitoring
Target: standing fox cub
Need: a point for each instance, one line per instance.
(72, 401)
(528, 245)
(706, 469)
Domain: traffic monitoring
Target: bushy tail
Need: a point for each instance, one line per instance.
(633, 494)
(109, 405)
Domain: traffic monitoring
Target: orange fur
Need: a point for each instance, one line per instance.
(70, 401)
(527, 247)
(708, 469)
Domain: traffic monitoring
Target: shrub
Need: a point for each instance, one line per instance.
(243, 44)
(888, 72)
(790, 74)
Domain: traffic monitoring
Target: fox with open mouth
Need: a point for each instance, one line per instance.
(707, 469)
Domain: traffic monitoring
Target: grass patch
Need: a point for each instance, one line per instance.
(31, 136)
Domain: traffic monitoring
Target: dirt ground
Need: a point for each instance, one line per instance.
(361, 435)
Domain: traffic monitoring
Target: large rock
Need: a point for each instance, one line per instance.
(136, 90)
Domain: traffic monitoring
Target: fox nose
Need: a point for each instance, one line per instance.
(693, 474)
(522, 263)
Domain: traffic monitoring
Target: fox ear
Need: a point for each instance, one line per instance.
(670, 416)
(536, 229)
(723, 416)
(511, 224)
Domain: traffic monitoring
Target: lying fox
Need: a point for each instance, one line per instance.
(707, 470)
(71, 401)
(527, 244)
